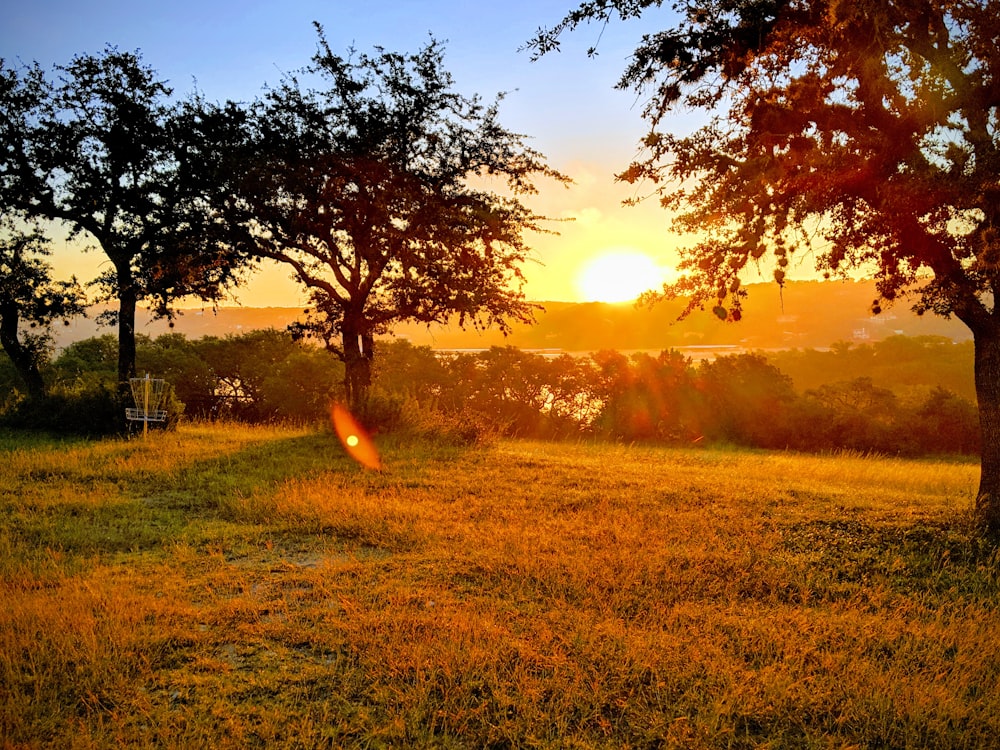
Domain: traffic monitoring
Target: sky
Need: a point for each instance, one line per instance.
(565, 103)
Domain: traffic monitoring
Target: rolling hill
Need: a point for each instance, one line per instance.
(808, 314)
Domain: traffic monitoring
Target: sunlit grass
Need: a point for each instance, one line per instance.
(234, 587)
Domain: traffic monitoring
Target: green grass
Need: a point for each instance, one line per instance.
(237, 587)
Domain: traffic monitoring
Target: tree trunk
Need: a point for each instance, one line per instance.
(987, 370)
(358, 353)
(23, 358)
(127, 301)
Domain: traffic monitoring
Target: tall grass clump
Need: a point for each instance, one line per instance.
(507, 594)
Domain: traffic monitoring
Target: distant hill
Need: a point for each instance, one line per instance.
(808, 314)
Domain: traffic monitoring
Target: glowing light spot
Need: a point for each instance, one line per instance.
(355, 440)
(620, 275)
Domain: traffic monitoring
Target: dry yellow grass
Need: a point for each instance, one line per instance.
(233, 587)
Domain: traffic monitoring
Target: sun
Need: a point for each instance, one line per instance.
(620, 275)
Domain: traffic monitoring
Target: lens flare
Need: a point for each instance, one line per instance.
(355, 440)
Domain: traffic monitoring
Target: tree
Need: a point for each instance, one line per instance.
(747, 399)
(104, 151)
(241, 365)
(859, 415)
(29, 294)
(92, 360)
(864, 133)
(375, 189)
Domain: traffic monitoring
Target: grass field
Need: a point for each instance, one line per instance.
(230, 587)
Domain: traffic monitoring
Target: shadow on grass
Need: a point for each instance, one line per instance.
(169, 503)
(930, 557)
(128, 501)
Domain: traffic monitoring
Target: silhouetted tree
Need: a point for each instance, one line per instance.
(104, 151)
(947, 423)
(863, 133)
(29, 295)
(374, 188)
(747, 400)
(860, 415)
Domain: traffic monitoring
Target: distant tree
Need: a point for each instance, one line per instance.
(947, 423)
(300, 386)
(859, 415)
(508, 385)
(646, 397)
(29, 295)
(240, 366)
(375, 189)
(747, 400)
(412, 371)
(862, 133)
(104, 151)
(93, 360)
(572, 407)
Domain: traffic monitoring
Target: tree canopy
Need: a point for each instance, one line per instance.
(863, 135)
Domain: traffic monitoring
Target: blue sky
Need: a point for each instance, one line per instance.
(565, 102)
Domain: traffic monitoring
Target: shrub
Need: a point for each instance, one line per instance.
(462, 428)
(89, 409)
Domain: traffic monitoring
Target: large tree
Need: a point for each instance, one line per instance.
(864, 134)
(103, 150)
(392, 197)
(29, 296)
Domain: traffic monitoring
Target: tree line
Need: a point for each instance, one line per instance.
(740, 399)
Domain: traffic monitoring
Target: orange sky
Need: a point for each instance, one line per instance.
(565, 103)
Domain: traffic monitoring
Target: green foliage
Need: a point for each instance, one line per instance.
(301, 385)
(910, 365)
(947, 423)
(475, 397)
(738, 399)
(91, 408)
(91, 360)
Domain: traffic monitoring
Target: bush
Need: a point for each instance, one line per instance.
(463, 428)
(90, 409)
(380, 412)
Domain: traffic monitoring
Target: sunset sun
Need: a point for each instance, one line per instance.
(620, 275)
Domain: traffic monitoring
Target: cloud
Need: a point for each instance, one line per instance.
(585, 216)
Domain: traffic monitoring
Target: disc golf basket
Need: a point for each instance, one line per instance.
(148, 395)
